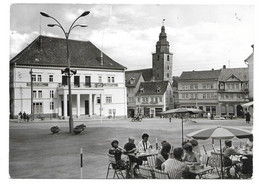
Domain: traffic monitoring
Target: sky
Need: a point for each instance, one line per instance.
(201, 37)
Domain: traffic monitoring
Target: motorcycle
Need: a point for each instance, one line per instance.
(137, 118)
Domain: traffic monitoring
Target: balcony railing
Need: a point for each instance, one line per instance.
(91, 85)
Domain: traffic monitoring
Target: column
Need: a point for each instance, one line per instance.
(78, 105)
(94, 104)
(227, 110)
(102, 104)
(90, 105)
(65, 107)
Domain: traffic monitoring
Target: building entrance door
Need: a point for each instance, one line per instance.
(86, 107)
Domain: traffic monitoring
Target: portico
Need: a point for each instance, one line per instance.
(83, 103)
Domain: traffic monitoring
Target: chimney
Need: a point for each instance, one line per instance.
(224, 66)
(101, 59)
(212, 69)
(252, 47)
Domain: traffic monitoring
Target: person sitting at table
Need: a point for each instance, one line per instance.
(227, 152)
(195, 146)
(190, 156)
(175, 167)
(163, 156)
(131, 148)
(117, 152)
(144, 144)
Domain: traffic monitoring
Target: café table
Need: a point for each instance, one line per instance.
(140, 155)
(199, 170)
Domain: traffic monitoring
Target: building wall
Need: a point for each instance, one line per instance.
(22, 89)
(251, 76)
(163, 66)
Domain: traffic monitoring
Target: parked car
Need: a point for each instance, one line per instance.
(218, 117)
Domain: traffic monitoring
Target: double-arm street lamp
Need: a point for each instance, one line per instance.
(68, 71)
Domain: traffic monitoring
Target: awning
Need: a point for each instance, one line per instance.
(248, 104)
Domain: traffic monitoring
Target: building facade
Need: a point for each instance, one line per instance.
(133, 81)
(98, 87)
(220, 92)
(154, 97)
(250, 62)
(199, 89)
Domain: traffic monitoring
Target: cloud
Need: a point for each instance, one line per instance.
(18, 41)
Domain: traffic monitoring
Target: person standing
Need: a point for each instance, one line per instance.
(248, 116)
(24, 116)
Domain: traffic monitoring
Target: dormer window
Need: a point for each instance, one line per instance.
(132, 81)
(141, 90)
(158, 90)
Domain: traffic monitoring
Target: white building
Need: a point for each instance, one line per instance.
(98, 87)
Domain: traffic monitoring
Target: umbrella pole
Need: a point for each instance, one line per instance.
(221, 160)
(182, 129)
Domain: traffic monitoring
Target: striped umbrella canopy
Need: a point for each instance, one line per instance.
(220, 133)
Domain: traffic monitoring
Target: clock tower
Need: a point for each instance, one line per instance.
(162, 59)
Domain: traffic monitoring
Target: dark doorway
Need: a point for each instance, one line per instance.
(240, 112)
(62, 108)
(86, 107)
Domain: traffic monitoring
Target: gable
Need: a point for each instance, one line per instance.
(233, 78)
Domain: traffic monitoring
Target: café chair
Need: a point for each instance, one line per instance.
(112, 165)
(158, 174)
(151, 160)
(146, 172)
(216, 163)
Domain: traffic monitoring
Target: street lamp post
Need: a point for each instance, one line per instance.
(67, 71)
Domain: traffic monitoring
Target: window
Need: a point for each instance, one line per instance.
(138, 100)
(158, 57)
(113, 79)
(52, 105)
(212, 86)
(141, 90)
(98, 100)
(171, 99)
(108, 79)
(34, 94)
(110, 111)
(204, 96)
(34, 78)
(37, 107)
(191, 86)
(39, 94)
(132, 81)
(222, 96)
(208, 96)
(99, 79)
(157, 74)
(183, 96)
(76, 81)
(64, 80)
(237, 86)
(204, 86)
(160, 98)
(168, 57)
(238, 96)
(228, 86)
(168, 67)
(168, 75)
(158, 89)
(88, 81)
(39, 78)
(51, 94)
(108, 99)
(50, 78)
(231, 96)
(196, 86)
(183, 86)
(207, 108)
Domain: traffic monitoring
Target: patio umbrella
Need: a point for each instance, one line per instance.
(182, 111)
(220, 133)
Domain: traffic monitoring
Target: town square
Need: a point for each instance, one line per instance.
(131, 91)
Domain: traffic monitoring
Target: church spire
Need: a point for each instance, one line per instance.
(162, 45)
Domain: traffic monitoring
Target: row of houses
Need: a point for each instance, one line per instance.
(103, 87)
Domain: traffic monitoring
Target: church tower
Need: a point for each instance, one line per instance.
(162, 59)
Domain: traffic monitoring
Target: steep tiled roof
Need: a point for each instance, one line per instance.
(50, 51)
(240, 73)
(150, 88)
(147, 73)
(200, 75)
(129, 75)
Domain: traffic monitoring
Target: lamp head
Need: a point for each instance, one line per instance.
(44, 14)
(51, 25)
(83, 25)
(85, 13)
